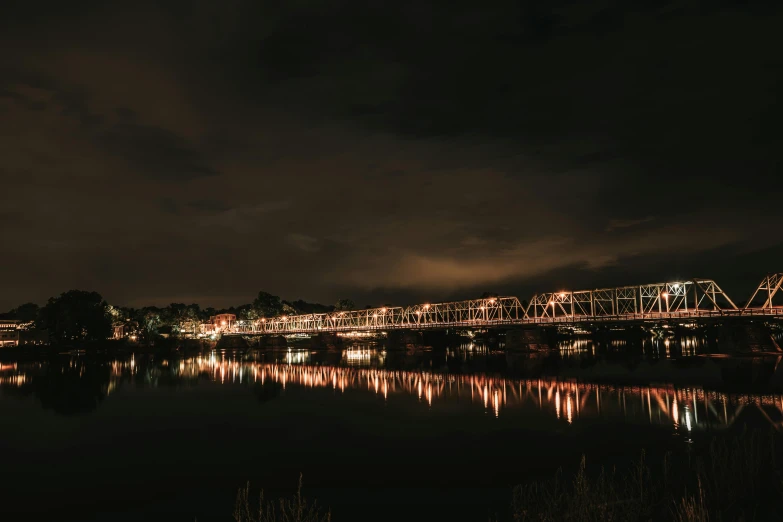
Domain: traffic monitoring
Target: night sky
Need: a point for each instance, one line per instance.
(391, 152)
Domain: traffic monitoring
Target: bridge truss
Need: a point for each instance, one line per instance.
(769, 288)
(691, 299)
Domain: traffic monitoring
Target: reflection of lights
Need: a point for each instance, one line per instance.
(297, 357)
(568, 400)
(562, 295)
(13, 380)
(358, 356)
(675, 414)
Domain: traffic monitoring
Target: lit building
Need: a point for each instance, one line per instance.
(15, 333)
(217, 323)
(126, 330)
(223, 321)
(9, 332)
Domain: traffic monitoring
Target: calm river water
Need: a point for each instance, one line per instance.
(377, 435)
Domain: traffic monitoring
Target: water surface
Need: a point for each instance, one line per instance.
(378, 435)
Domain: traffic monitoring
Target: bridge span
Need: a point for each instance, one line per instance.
(691, 300)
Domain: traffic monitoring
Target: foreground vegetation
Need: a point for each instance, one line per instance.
(295, 509)
(728, 479)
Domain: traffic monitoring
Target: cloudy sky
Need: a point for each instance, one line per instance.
(389, 152)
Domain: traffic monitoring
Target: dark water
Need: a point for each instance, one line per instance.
(378, 435)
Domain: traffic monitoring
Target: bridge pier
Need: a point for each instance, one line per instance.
(272, 341)
(442, 338)
(526, 339)
(325, 341)
(745, 338)
(403, 339)
(232, 342)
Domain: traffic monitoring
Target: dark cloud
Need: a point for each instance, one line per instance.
(616, 224)
(386, 151)
(155, 152)
(209, 205)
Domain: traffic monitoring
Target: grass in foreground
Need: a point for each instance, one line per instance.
(731, 479)
(294, 509)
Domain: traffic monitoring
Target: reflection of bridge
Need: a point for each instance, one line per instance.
(682, 409)
(686, 409)
(692, 300)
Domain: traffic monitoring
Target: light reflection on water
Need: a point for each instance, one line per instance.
(657, 348)
(680, 408)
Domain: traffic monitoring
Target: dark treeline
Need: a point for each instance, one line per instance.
(78, 315)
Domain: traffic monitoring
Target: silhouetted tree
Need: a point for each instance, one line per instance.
(344, 304)
(77, 315)
(150, 322)
(26, 313)
(303, 307)
(267, 305)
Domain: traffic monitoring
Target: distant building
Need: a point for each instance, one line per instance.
(223, 321)
(9, 338)
(207, 329)
(217, 323)
(15, 333)
(9, 324)
(126, 330)
(9, 332)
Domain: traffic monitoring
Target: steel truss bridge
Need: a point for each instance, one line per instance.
(693, 299)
